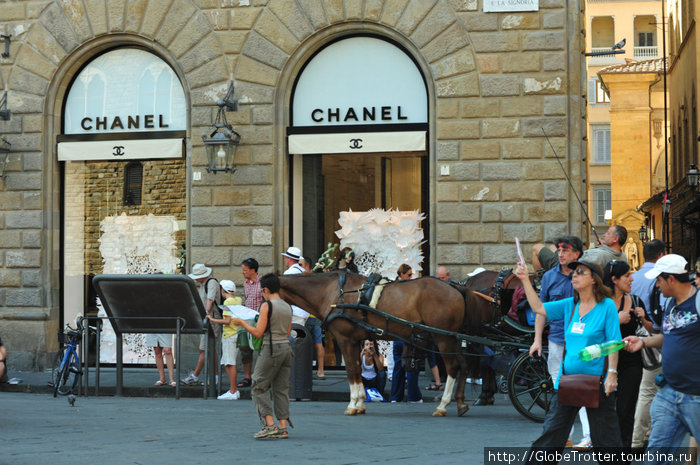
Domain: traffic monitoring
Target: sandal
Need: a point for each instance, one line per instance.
(159, 383)
(245, 383)
(433, 387)
(173, 384)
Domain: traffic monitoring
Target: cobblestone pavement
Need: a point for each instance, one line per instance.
(39, 429)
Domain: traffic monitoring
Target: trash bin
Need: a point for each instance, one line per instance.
(301, 379)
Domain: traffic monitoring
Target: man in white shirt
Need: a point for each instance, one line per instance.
(291, 261)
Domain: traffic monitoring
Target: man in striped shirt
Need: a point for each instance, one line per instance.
(253, 298)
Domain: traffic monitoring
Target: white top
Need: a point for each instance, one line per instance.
(297, 311)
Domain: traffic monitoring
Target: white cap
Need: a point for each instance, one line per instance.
(671, 264)
(228, 286)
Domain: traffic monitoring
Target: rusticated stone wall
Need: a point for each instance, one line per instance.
(495, 81)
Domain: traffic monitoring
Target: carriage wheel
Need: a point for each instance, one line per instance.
(530, 387)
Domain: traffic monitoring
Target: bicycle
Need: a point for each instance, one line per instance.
(68, 373)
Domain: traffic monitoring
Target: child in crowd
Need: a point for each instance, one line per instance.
(229, 351)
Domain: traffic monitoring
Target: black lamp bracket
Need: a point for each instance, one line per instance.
(4, 112)
(6, 38)
(228, 102)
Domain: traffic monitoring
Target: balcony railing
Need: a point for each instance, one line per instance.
(645, 53)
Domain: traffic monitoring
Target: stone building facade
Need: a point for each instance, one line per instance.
(495, 84)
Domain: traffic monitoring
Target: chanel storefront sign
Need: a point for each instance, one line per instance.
(361, 115)
(116, 102)
(103, 123)
(357, 142)
(122, 149)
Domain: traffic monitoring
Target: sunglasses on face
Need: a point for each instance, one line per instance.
(582, 271)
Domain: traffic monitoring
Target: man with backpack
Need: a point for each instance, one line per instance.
(650, 294)
(210, 293)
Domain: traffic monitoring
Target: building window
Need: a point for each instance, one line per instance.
(646, 39)
(596, 94)
(133, 181)
(601, 144)
(602, 201)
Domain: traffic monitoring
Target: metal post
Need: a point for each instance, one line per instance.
(98, 325)
(120, 366)
(177, 354)
(84, 351)
(665, 227)
(206, 358)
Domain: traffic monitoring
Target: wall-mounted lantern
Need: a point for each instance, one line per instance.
(221, 140)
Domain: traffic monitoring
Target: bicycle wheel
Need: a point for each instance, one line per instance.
(56, 367)
(530, 387)
(68, 375)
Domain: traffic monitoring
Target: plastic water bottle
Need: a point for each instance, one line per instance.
(600, 350)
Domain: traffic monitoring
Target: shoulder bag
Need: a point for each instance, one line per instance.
(651, 356)
(580, 390)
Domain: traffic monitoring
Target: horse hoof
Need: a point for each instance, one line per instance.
(351, 411)
(439, 413)
(482, 401)
(462, 409)
(361, 410)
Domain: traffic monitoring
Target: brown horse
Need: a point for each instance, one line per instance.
(427, 301)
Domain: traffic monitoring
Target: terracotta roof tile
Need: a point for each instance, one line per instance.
(655, 65)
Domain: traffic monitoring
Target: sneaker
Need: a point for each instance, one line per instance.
(584, 445)
(419, 401)
(190, 380)
(266, 432)
(230, 396)
(280, 433)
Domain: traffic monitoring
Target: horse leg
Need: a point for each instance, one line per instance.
(452, 366)
(462, 406)
(488, 385)
(351, 354)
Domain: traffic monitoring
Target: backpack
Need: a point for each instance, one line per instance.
(206, 290)
(255, 343)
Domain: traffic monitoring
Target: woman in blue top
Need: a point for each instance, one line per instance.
(590, 317)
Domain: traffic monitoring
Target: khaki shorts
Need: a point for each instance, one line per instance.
(229, 350)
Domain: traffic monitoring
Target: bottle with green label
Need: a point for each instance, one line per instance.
(600, 350)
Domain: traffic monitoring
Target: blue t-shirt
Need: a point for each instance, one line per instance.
(681, 348)
(643, 287)
(556, 286)
(600, 324)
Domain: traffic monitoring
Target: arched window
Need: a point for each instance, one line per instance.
(133, 182)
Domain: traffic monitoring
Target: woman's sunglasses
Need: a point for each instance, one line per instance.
(582, 271)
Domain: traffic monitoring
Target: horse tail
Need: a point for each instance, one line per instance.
(471, 323)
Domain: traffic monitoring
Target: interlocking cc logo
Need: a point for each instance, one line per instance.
(118, 150)
(355, 143)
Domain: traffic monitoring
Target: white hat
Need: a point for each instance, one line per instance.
(228, 286)
(293, 252)
(199, 271)
(477, 271)
(671, 264)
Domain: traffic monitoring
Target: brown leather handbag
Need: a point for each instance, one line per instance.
(580, 390)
